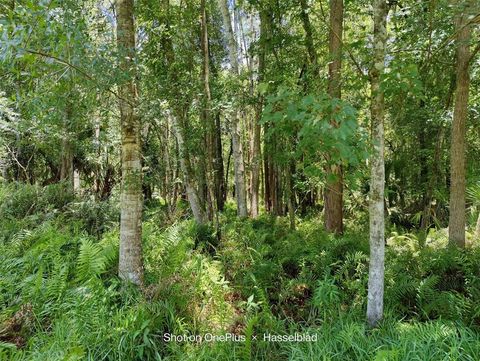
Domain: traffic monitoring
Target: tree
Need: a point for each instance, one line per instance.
(377, 166)
(66, 161)
(214, 164)
(130, 258)
(456, 222)
(334, 185)
(177, 118)
(239, 168)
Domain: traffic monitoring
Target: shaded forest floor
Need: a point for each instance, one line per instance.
(60, 298)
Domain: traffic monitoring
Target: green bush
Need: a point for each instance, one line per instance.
(18, 200)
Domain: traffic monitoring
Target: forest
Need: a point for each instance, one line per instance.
(239, 180)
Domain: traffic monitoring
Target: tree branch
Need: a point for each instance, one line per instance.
(75, 67)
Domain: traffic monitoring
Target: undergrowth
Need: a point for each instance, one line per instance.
(60, 298)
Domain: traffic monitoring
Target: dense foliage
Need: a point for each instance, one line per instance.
(240, 167)
(61, 298)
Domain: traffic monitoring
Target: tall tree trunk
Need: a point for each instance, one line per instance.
(334, 186)
(377, 182)
(131, 203)
(239, 168)
(456, 222)
(256, 149)
(218, 167)
(213, 195)
(176, 119)
(309, 76)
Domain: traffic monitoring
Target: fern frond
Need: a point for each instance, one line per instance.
(91, 260)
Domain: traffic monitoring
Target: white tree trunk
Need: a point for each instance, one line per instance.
(377, 182)
(239, 168)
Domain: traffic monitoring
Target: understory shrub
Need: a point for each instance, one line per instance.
(61, 299)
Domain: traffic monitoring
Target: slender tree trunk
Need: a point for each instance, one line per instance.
(218, 169)
(239, 168)
(201, 176)
(436, 171)
(192, 195)
(278, 204)
(309, 77)
(213, 195)
(130, 260)
(377, 182)
(256, 149)
(66, 166)
(290, 169)
(266, 176)
(179, 129)
(334, 187)
(256, 162)
(426, 214)
(97, 147)
(307, 27)
(168, 180)
(456, 222)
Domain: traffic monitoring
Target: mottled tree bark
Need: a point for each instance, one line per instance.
(377, 163)
(131, 203)
(239, 168)
(334, 187)
(456, 222)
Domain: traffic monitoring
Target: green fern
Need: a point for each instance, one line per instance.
(426, 293)
(249, 331)
(91, 260)
(473, 193)
(57, 282)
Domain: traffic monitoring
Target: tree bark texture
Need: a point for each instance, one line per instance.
(334, 186)
(456, 222)
(377, 163)
(130, 259)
